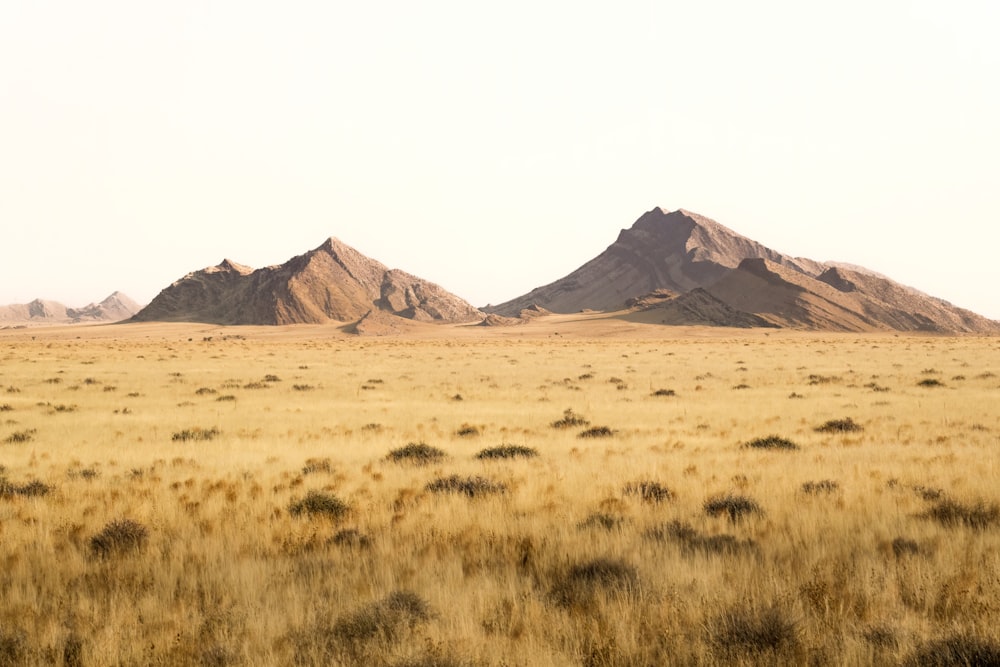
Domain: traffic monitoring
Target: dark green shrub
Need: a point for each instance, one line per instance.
(121, 536)
(735, 507)
(847, 425)
(417, 452)
(771, 442)
(469, 486)
(318, 503)
(507, 452)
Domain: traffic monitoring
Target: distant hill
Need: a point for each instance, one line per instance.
(114, 308)
(715, 276)
(332, 283)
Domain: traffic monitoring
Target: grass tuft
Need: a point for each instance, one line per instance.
(956, 651)
(569, 420)
(196, 433)
(951, 514)
(579, 583)
(596, 432)
(691, 541)
(752, 631)
(19, 437)
(822, 486)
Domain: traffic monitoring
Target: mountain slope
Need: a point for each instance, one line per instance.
(332, 283)
(679, 251)
(114, 308)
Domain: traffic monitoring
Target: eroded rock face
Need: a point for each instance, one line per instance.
(332, 283)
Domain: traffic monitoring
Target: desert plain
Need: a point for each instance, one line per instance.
(571, 491)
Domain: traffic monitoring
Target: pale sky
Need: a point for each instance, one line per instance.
(492, 147)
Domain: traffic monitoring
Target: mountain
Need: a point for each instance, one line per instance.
(332, 283)
(683, 268)
(114, 308)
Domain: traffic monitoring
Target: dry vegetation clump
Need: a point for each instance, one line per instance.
(648, 491)
(319, 504)
(960, 650)
(978, 516)
(846, 425)
(569, 420)
(467, 431)
(13, 648)
(352, 538)
(822, 486)
(32, 489)
(507, 452)
(470, 486)
(315, 465)
(602, 520)
(579, 584)
(734, 506)
(119, 537)
(691, 541)
(360, 636)
(6, 407)
(419, 453)
(903, 546)
(596, 432)
(756, 632)
(771, 442)
(196, 433)
(18, 437)
(664, 392)
(930, 382)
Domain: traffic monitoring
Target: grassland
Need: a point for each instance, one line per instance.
(195, 495)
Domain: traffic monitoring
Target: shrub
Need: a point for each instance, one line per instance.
(6, 407)
(121, 536)
(507, 452)
(225, 397)
(417, 452)
(302, 387)
(754, 630)
(467, 430)
(847, 425)
(736, 507)
(664, 392)
(272, 378)
(602, 520)
(581, 581)
(205, 390)
(569, 420)
(470, 486)
(956, 651)
(13, 649)
(256, 385)
(317, 503)
(930, 382)
(823, 486)
(383, 619)
(596, 432)
(18, 437)
(648, 491)
(771, 442)
(351, 537)
(902, 546)
(32, 489)
(196, 433)
(691, 541)
(951, 513)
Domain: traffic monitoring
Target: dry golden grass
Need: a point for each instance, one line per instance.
(246, 509)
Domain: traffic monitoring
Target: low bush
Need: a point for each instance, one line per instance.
(691, 541)
(196, 433)
(467, 431)
(771, 442)
(119, 537)
(383, 619)
(846, 425)
(508, 452)
(956, 651)
(318, 503)
(735, 507)
(469, 486)
(822, 486)
(569, 420)
(649, 491)
(579, 583)
(417, 452)
(930, 382)
(752, 631)
(596, 432)
(18, 437)
(602, 520)
(316, 465)
(951, 513)
(664, 392)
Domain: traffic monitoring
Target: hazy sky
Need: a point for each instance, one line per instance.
(492, 147)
